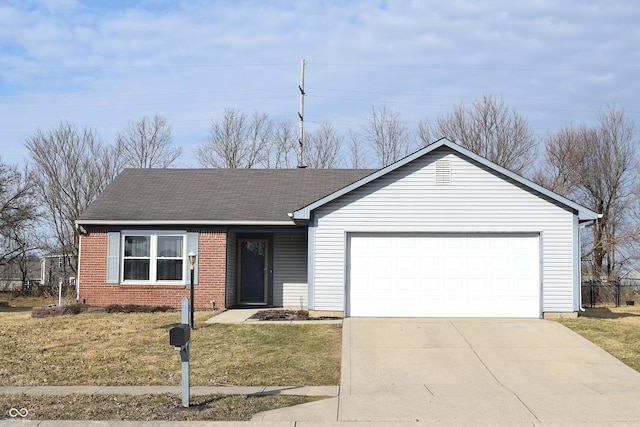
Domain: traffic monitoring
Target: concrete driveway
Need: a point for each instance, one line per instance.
(475, 372)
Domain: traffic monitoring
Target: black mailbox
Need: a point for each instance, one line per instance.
(180, 335)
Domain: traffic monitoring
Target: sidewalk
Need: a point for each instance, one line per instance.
(243, 315)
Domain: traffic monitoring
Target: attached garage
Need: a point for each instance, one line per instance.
(444, 232)
(473, 275)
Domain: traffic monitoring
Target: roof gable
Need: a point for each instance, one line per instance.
(583, 213)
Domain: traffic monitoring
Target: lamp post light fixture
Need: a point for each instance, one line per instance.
(192, 265)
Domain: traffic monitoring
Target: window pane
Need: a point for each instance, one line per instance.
(136, 269)
(170, 246)
(137, 246)
(169, 269)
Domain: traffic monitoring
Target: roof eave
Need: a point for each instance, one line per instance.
(113, 222)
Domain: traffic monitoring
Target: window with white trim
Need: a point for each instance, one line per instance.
(153, 257)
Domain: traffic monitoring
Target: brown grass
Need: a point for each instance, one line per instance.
(26, 302)
(16, 306)
(616, 330)
(133, 349)
(164, 407)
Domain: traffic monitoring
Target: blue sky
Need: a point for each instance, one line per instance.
(555, 62)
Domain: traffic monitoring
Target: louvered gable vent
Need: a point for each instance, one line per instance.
(443, 172)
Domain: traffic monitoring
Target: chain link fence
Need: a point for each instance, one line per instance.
(622, 291)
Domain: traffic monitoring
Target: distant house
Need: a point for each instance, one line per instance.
(631, 278)
(56, 269)
(49, 270)
(20, 274)
(442, 232)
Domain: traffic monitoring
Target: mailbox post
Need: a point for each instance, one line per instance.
(180, 338)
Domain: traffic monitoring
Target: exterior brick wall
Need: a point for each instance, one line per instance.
(94, 289)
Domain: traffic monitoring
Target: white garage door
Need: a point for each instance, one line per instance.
(444, 276)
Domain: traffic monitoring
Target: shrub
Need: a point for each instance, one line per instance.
(74, 308)
(133, 308)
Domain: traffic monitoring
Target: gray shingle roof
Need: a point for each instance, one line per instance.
(214, 194)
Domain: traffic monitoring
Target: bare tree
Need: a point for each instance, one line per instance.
(597, 168)
(322, 147)
(18, 213)
(147, 143)
(387, 135)
(490, 129)
(282, 150)
(71, 167)
(357, 155)
(562, 169)
(237, 141)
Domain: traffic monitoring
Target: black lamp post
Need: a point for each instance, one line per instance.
(192, 264)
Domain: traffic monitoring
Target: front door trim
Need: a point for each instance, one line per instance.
(266, 270)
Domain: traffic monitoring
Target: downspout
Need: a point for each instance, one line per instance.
(43, 266)
(582, 226)
(81, 232)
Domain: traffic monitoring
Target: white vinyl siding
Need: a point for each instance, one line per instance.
(290, 270)
(408, 200)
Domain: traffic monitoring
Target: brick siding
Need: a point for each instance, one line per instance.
(94, 289)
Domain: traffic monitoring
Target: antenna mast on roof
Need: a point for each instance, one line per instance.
(301, 115)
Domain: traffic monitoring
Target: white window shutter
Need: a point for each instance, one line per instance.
(192, 245)
(113, 257)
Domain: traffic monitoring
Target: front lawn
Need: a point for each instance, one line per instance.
(616, 330)
(161, 407)
(133, 349)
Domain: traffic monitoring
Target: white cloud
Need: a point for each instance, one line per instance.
(189, 60)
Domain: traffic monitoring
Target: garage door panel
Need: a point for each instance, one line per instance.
(499, 285)
(383, 243)
(407, 305)
(524, 284)
(450, 243)
(382, 263)
(430, 263)
(477, 285)
(453, 263)
(427, 276)
(408, 285)
(360, 263)
(477, 307)
(359, 285)
(453, 284)
(406, 263)
(477, 263)
(501, 264)
(428, 285)
(454, 306)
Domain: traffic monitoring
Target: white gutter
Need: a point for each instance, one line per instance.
(589, 223)
(178, 222)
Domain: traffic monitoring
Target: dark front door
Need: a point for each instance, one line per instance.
(253, 267)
